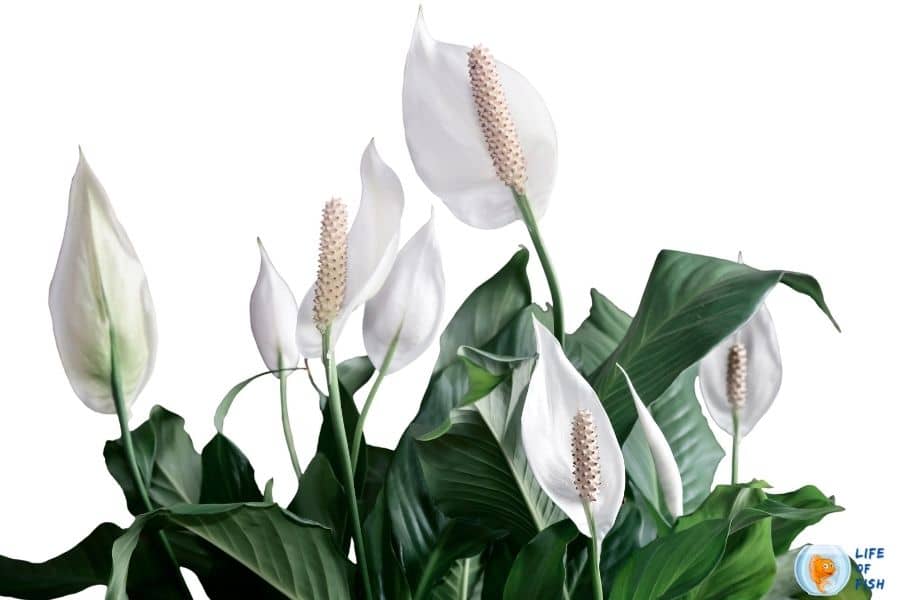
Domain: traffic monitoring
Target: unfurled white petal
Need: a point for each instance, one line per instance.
(763, 373)
(556, 393)
(273, 316)
(409, 305)
(99, 300)
(667, 472)
(372, 247)
(445, 139)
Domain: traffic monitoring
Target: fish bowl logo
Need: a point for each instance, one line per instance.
(822, 570)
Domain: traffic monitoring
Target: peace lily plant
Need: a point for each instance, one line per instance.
(544, 462)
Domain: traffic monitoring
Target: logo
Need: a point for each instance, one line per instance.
(822, 570)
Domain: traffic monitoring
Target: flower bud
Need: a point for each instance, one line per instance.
(273, 316)
(103, 317)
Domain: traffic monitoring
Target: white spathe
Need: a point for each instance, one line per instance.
(556, 393)
(446, 143)
(371, 249)
(273, 316)
(763, 373)
(409, 306)
(99, 300)
(667, 472)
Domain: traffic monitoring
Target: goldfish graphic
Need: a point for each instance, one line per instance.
(820, 570)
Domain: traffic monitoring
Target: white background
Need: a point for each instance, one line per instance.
(770, 127)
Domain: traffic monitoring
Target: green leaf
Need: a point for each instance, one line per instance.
(458, 540)
(732, 555)
(414, 523)
(807, 498)
(689, 305)
(598, 335)
(464, 581)
(321, 498)
(87, 564)
(227, 474)
(166, 458)
(296, 557)
(475, 464)
(539, 571)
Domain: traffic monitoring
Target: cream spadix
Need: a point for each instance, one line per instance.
(551, 418)
(407, 311)
(667, 472)
(476, 129)
(742, 373)
(103, 317)
(273, 316)
(371, 247)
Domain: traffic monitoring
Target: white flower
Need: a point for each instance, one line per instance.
(556, 396)
(409, 306)
(755, 380)
(273, 316)
(99, 300)
(667, 472)
(444, 132)
(371, 249)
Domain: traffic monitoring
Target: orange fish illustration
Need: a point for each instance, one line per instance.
(820, 570)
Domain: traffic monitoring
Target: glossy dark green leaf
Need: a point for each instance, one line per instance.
(689, 305)
(598, 335)
(166, 458)
(807, 498)
(539, 571)
(414, 522)
(227, 474)
(475, 464)
(296, 557)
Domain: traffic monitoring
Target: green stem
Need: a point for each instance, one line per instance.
(286, 421)
(559, 328)
(346, 467)
(594, 554)
(118, 395)
(735, 443)
(382, 372)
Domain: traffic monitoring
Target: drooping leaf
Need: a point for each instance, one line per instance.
(166, 458)
(296, 557)
(689, 305)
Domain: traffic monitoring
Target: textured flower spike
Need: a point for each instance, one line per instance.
(273, 316)
(472, 125)
(331, 279)
(742, 373)
(667, 472)
(369, 248)
(99, 300)
(569, 441)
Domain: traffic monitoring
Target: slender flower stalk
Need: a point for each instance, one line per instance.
(330, 287)
(273, 320)
(370, 399)
(502, 139)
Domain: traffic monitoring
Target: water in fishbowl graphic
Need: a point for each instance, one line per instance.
(822, 570)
